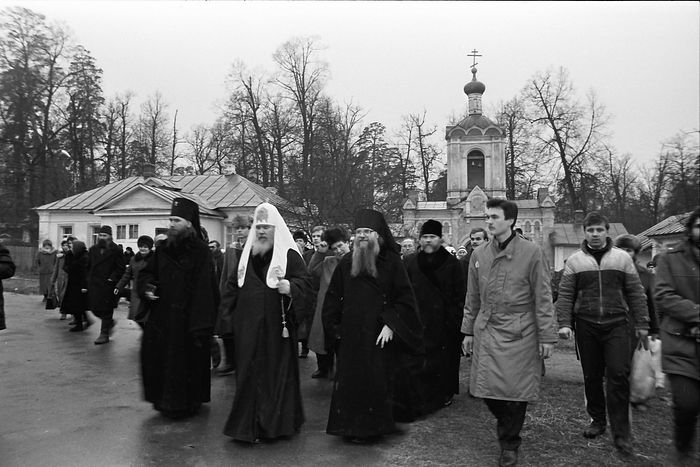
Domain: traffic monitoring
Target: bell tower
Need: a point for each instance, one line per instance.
(475, 149)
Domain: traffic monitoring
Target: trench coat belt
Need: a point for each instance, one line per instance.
(518, 309)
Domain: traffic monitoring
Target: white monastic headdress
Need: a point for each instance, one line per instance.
(268, 214)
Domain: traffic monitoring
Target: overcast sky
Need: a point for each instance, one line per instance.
(395, 58)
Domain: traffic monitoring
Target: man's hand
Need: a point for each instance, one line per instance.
(150, 295)
(323, 247)
(546, 350)
(642, 335)
(385, 336)
(565, 332)
(283, 287)
(468, 345)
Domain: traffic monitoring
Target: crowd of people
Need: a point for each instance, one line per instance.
(388, 323)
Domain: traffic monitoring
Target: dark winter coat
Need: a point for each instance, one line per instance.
(677, 298)
(7, 270)
(354, 312)
(45, 261)
(440, 289)
(218, 258)
(224, 322)
(305, 319)
(267, 403)
(75, 302)
(105, 268)
(647, 278)
(175, 346)
(130, 279)
(321, 275)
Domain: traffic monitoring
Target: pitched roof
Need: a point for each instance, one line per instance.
(218, 191)
(669, 226)
(168, 195)
(572, 234)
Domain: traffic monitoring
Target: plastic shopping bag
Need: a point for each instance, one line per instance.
(642, 376)
(655, 348)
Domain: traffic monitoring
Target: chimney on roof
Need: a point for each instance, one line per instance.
(148, 170)
(229, 168)
(578, 218)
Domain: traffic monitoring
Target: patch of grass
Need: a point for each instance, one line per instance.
(25, 285)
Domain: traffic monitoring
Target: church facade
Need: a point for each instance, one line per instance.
(476, 171)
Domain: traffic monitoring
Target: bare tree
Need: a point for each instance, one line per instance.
(570, 129)
(426, 154)
(302, 77)
(153, 128)
(621, 180)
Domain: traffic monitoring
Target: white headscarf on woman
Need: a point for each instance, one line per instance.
(269, 215)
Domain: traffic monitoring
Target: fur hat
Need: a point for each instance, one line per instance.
(106, 229)
(145, 240)
(299, 235)
(334, 235)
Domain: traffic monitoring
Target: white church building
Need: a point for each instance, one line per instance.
(476, 171)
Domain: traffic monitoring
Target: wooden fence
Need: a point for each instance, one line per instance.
(23, 257)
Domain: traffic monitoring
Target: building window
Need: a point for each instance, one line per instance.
(475, 169)
(537, 227)
(64, 232)
(447, 228)
(229, 234)
(121, 232)
(528, 227)
(133, 231)
(94, 234)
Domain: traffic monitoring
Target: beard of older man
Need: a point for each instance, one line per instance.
(264, 241)
(364, 257)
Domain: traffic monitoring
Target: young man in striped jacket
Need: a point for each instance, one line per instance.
(601, 297)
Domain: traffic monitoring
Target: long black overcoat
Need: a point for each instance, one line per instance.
(355, 310)
(74, 300)
(267, 403)
(175, 347)
(440, 298)
(105, 268)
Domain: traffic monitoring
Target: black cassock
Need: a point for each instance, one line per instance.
(354, 312)
(267, 403)
(439, 284)
(175, 346)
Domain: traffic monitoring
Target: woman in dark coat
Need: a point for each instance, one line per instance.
(131, 276)
(75, 299)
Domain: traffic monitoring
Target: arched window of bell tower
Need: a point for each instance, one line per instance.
(475, 169)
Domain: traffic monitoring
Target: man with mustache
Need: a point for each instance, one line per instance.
(261, 302)
(440, 288)
(180, 283)
(370, 317)
(105, 267)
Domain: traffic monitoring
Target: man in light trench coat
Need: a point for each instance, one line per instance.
(509, 324)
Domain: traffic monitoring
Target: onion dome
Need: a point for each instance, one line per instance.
(474, 86)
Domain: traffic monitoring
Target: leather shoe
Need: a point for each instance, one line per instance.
(102, 339)
(76, 328)
(594, 430)
(624, 446)
(508, 458)
(319, 374)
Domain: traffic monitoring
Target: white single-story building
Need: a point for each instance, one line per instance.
(138, 206)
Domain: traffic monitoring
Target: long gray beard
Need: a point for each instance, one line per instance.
(260, 248)
(364, 260)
